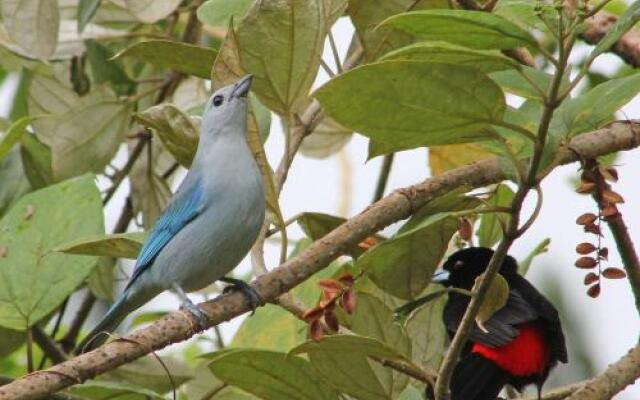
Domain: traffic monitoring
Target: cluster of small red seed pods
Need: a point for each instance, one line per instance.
(594, 182)
(322, 318)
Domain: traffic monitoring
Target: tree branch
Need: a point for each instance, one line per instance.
(397, 206)
(627, 47)
(617, 377)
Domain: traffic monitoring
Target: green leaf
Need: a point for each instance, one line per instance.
(366, 15)
(206, 383)
(148, 373)
(105, 390)
(32, 25)
(427, 333)
(186, 58)
(150, 192)
(514, 82)
(408, 104)
(220, 12)
(270, 328)
(625, 22)
(343, 361)
(446, 53)
(100, 281)
(270, 375)
(83, 133)
(446, 158)
(36, 159)
(118, 245)
(374, 319)
(177, 131)
(104, 68)
(402, 265)
(285, 69)
(317, 225)
(540, 249)
(14, 181)
(150, 11)
(37, 223)
(10, 340)
(490, 230)
(593, 109)
(474, 29)
(495, 298)
(88, 137)
(86, 10)
(13, 135)
(327, 139)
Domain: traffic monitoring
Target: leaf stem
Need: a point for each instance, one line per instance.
(383, 178)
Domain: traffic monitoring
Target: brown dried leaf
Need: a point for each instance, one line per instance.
(610, 211)
(349, 301)
(586, 187)
(614, 273)
(331, 321)
(586, 219)
(609, 173)
(465, 230)
(312, 314)
(586, 262)
(330, 285)
(593, 228)
(585, 248)
(328, 299)
(4, 250)
(590, 278)
(594, 291)
(346, 279)
(315, 330)
(604, 253)
(612, 197)
(368, 243)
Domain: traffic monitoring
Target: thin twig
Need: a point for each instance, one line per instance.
(334, 51)
(29, 350)
(68, 342)
(48, 345)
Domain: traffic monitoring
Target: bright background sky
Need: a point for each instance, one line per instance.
(609, 325)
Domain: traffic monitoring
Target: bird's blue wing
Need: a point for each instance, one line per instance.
(183, 208)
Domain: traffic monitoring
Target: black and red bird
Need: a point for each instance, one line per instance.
(524, 339)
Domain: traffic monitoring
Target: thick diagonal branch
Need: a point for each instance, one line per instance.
(399, 205)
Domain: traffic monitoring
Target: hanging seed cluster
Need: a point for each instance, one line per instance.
(322, 318)
(594, 181)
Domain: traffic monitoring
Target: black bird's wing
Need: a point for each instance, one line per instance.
(501, 327)
(476, 378)
(547, 313)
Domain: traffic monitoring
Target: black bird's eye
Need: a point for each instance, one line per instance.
(459, 264)
(218, 100)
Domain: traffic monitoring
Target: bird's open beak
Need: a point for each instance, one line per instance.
(242, 87)
(441, 277)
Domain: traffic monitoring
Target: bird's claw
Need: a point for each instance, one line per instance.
(201, 318)
(247, 290)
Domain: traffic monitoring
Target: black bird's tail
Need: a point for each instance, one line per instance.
(476, 378)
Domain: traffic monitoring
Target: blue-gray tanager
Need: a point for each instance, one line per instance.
(210, 223)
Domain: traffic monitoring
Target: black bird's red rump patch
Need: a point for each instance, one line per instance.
(527, 354)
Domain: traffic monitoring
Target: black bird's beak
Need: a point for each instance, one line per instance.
(441, 277)
(242, 87)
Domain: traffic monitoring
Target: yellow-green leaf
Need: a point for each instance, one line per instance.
(495, 298)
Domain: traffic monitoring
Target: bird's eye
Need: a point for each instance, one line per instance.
(218, 100)
(459, 264)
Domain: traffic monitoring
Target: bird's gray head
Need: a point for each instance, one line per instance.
(226, 109)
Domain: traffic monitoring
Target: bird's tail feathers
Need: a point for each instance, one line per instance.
(477, 378)
(107, 324)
